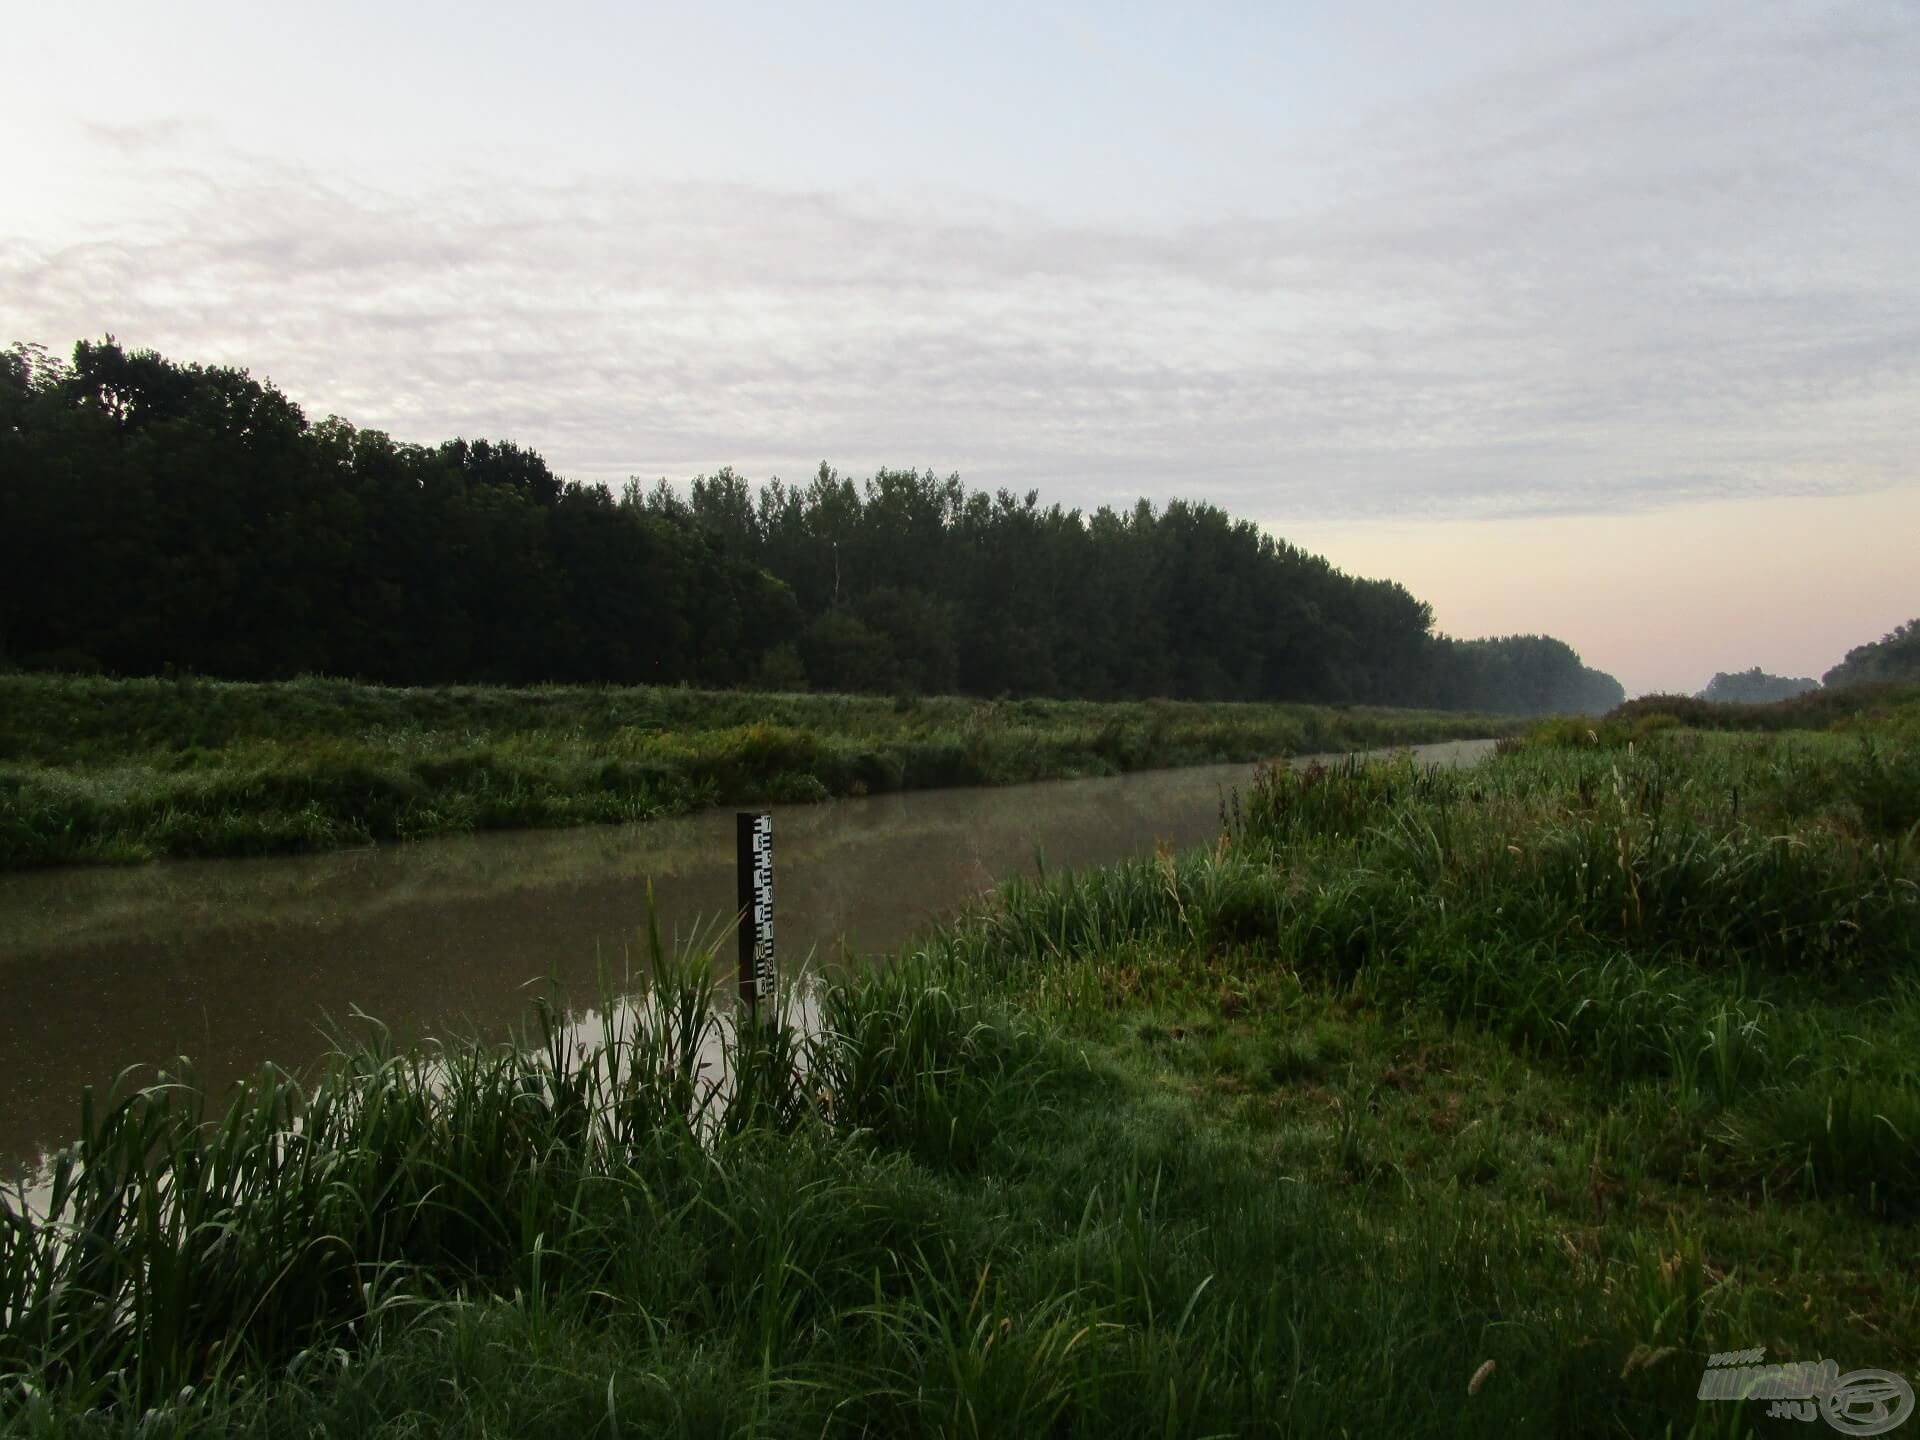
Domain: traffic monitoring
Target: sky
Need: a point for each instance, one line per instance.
(1597, 320)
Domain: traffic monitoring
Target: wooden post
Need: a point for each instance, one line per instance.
(754, 862)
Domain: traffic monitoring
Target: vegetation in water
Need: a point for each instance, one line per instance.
(165, 517)
(94, 769)
(1425, 1102)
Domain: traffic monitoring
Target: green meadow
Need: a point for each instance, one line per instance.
(1425, 1102)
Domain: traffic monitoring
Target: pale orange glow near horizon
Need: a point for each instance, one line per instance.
(1661, 599)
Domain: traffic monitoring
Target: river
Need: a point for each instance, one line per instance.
(237, 962)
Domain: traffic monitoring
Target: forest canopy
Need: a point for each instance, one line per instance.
(163, 517)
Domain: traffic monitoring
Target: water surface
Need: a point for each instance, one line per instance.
(238, 962)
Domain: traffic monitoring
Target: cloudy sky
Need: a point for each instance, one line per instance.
(1602, 320)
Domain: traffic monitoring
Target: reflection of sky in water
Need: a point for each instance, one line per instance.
(236, 962)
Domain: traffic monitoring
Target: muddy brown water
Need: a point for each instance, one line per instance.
(238, 962)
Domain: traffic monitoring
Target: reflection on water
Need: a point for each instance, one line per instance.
(237, 962)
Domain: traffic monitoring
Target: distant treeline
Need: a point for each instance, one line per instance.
(166, 517)
(1891, 707)
(1894, 657)
(1755, 687)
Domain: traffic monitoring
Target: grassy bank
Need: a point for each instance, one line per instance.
(129, 770)
(1425, 1103)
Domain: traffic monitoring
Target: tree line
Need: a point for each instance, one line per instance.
(1755, 687)
(161, 516)
(1892, 659)
(1895, 656)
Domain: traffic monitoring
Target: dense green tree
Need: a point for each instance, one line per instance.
(158, 516)
(919, 634)
(1894, 656)
(841, 652)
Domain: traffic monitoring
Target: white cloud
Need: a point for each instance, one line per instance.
(1678, 268)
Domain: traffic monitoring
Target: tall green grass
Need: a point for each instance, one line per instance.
(539, 1241)
(181, 1242)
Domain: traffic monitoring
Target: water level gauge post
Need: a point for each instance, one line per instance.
(754, 861)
